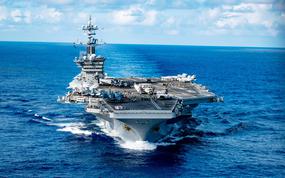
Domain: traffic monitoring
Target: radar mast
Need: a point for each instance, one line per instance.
(92, 65)
(90, 30)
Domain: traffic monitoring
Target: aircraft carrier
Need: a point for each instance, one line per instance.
(137, 109)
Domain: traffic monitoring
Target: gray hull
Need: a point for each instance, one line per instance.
(151, 130)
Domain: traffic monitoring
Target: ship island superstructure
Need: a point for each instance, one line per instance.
(138, 109)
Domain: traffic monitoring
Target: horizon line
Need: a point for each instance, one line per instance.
(155, 44)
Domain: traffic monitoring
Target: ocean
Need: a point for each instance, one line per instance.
(242, 137)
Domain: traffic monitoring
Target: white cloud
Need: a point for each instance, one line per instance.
(213, 13)
(246, 14)
(244, 7)
(16, 15)
(240, 18)
(135, 15)
(50, 15)
(3, 13)
(125, 17)
(171, 26)
(150, 18)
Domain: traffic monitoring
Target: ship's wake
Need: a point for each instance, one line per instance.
(194, 129)
(64, 124)
(78, 128)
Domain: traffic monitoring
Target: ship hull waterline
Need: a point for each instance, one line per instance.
(146, 129)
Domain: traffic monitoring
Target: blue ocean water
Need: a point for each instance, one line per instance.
(244, 136)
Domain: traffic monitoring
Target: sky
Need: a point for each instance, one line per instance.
(258, 23)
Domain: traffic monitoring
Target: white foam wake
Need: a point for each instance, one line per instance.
(74, 128)
(76, 131)
(45, 118)
(138, 145)
(123, 142)
(79, 128)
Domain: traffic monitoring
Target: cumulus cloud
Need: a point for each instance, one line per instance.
(50, 15)
(240, 19)
(135, 15)
(246, 13)
(18, 16)
(28, 15)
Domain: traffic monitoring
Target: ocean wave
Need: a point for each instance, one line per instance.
(233, 129)
(37, 115)
(45, 118)
(42, 117)
(37, 118)
(36, 121)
